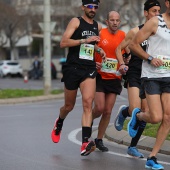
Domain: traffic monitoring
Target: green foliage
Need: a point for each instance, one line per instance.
(16, 93)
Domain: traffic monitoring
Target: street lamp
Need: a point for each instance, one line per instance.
(47, 48)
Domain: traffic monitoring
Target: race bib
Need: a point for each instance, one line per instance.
(86, 51)
(165, 68)
(109, 66)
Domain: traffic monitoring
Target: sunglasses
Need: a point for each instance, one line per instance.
(92, 6)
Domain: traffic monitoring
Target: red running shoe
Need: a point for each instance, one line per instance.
(87, 148)
(55, 134)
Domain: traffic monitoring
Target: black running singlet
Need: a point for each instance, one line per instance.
(135, 63)
(84, 31)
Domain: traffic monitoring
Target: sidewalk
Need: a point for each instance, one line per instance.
(122, 137)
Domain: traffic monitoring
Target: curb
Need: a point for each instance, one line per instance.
(145, 142)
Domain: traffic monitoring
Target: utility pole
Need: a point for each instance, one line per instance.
(47, 48)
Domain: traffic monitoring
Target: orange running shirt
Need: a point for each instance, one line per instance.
(109, 42)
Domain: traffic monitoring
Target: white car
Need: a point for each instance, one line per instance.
(9, 67)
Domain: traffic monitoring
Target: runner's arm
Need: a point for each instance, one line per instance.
(124, 44)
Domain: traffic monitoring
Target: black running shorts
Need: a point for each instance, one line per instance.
(73, 76)
(108, 86)
(133, 80)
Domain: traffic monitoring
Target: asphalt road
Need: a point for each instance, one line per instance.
(26, 144)
(15, 83)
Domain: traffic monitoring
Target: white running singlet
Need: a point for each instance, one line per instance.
(158, 47)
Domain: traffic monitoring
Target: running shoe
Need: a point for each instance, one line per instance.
(151, 163)
(133, 151)
(55, 134)
(132, 125)
(87, 148)
(100, 145)
(119, 120)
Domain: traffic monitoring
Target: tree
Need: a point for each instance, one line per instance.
(12, 27)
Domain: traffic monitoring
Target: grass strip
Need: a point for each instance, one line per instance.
(18, 93)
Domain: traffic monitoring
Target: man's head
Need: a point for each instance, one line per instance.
(113, 21)
(167, 4)
(151, 8)
(90, 7)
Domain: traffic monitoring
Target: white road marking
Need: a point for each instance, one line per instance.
(72, 137)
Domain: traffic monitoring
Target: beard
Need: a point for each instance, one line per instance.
(90, 15)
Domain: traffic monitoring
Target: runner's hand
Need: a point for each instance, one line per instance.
(92, 39)
(157, 62)
(103, 55)
(123, 69)
(98, 65)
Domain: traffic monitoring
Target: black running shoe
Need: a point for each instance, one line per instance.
(100, 145)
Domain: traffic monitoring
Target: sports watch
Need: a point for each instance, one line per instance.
(98, 50)
(150, 58)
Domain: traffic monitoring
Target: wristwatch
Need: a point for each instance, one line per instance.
(98, 50)
(150, 58)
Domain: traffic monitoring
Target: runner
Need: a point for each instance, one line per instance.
(80, 71)
(108, 84)
(155, 80)
(133, 79)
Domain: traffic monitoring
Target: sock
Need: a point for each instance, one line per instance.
(86, 133)
(125, 112)
(135, 140)
(60, 123)
(91, 128)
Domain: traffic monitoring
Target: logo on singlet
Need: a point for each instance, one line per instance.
(144, 43)
(105, 42)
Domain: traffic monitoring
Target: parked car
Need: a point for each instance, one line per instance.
(31, 72)
(9, 67)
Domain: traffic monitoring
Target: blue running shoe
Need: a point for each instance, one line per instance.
(133, 151)
(132, 128)
(151, 163)
(119, 120)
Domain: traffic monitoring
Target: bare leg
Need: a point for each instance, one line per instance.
(70, 98)
(155, 110)
(87, 88)
(99, 104)
(134, 99)
(105, 119)
(164, 127)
